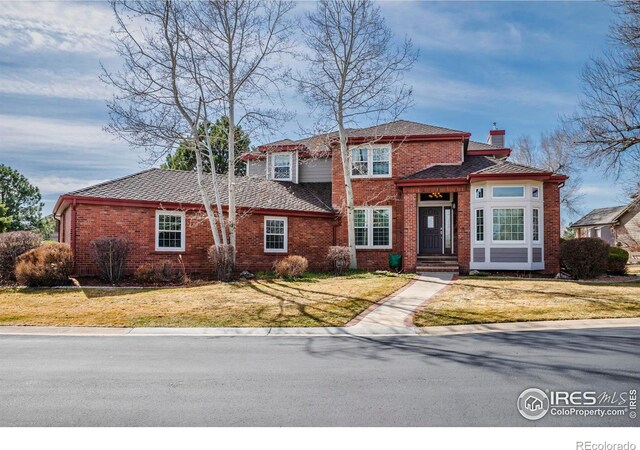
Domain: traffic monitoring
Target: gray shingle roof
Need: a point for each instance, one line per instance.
(397, 128)
(600, 216)
(509, 167)
(177, 186)
(471, 164)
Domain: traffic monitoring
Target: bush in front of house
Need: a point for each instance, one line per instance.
(221, 258)
(339, 259)
(148, 273)
(47, 265)
(12, 245)
(293, 266)
(584, 258)
(617, 262)
(110, 256)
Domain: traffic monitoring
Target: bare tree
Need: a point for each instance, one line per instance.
(355, 73)
(185, 62)
(554, 152)
(607, 123)
(239, 43)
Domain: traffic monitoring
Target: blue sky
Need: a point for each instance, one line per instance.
(514, 63)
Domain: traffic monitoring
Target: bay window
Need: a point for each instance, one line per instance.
(535, 216)
(479, 225)
(508, 224)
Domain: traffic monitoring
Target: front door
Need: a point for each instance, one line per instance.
(430, 230)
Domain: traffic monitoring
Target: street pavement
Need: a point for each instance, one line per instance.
(467, 380)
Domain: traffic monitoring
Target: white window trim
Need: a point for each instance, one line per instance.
(476, 193)
(475, 225)
(369, 148)
(369, 213)
(524, 191)
(183, 231)
(272, 167)
(537, 241)
(524, 222)
(286, 235)
(539, 197)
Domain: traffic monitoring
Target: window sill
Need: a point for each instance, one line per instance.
(170, 252)
(275, 252)
(373, 248)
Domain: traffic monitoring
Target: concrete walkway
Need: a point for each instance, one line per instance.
(398, 310)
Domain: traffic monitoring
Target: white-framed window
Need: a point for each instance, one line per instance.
(276, 234)
(479, 192)
(371, 161)
(479, 225)
(535, 192)
(508, 192)
(281, 166)
(373, 227)
(170, 231)
(535, 217)
(508, 224)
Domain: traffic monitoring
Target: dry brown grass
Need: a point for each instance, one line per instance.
(324, 301)
(471, 300)
(633, 269)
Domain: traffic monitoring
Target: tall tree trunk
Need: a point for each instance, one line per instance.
(205, 198)
(232, 176)
(348, 190)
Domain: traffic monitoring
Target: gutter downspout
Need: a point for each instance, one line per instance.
(73, 233)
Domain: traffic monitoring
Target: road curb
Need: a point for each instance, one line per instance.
(558, 325)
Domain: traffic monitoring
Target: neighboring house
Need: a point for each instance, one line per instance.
(618, 225)
(429, 193)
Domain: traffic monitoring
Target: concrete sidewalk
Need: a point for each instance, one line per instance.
(398, 310)
(552, 325)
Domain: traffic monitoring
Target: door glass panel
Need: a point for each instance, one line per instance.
(447, 228)
(430, 222)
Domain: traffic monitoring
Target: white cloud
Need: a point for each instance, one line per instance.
(56, 27)
(53, 184)
(48, 83)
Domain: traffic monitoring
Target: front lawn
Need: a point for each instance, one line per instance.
(314, 301)
(472, 300)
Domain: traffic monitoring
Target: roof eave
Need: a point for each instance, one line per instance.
(430, 181)
(408, 138)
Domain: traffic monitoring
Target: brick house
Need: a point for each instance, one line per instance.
(429, 193)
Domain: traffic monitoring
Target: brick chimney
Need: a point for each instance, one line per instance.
(496, 137)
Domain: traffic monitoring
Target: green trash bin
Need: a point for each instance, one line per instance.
(395, 261)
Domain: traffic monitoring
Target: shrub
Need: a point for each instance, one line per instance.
(151, 273)
(293, 266)
(221, 257)
(110, 256)
(12, 245)
(47, 265)
(339, 258)
(584, 258)
(617, 262)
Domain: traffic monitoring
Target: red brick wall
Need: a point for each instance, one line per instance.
(407, 158)
(551, 228)
(308, 236)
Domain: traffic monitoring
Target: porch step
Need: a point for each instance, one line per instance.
(450, 268)
(437, 257)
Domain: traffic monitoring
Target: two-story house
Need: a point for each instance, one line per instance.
(429, 193)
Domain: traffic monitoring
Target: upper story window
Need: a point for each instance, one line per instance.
(479, 192)
(508, 192)
(170, 231)
(371, 161)
(275, 234)
(535, 192)
(281, 166)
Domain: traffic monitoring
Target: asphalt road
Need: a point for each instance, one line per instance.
(293, 381)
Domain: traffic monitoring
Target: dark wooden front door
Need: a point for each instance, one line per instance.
(430, 230)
